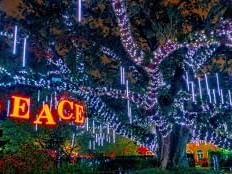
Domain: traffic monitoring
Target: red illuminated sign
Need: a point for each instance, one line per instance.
(66, 110)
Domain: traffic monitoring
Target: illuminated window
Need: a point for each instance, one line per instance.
(199, 154)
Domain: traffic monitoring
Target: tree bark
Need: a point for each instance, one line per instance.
(173, 148)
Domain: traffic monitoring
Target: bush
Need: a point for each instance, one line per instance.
(12, 164)
(28, 160)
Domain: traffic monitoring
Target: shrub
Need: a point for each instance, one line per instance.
(28, 160)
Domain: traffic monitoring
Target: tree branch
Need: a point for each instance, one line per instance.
(135, 53)
(114, 93)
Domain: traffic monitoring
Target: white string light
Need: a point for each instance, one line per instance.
(8, 108)
(214, 97)
(199, 86)
(79, 10)
(218, 84)
(230, 97)
(187, 81)
(24, 51)
(15, 39)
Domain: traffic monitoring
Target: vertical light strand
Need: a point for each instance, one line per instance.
(51, 102)
(73, 140)
(222, 97)
(210, 98)
(24, 51)
(121, 80)
(100, 130)
(8, 108)
(38, 100)
(127, 89)
(114, 136)
(214, 97)
(55, 98)
(123, 75)
(199, 86)
(230, 97)
(93, 127)
(218, 84)
(87, 124)
(128, 101)
(207, 87)
(90, 144)
(15, 39)
(99, 140)
(36, 125)
(79, 10)
(130, 115)
(108, 129)
(38, 96)
(193, 92)
(102, 140)
(107, 138)
(206, 82)
(94, 145)
(96, 137)
(187, 81)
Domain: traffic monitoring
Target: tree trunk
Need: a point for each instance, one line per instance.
(173, 148)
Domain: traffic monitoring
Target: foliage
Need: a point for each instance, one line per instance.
(122, 147)
(54, 24)
(17, 135)
(29, 159)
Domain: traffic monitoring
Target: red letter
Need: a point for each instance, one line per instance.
(61, 110)
(20, 108)
(79, 114)
(45, 114)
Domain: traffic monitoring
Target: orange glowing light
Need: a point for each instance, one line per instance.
(20, 108)
(45, 116)
(80, 117)
(62, 107)
(67, 110)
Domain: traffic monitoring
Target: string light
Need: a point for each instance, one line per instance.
(199, 86)
(147, 101)
(79, 10)
(8, 108)
(24, 51)
(15, 39)
(218, 84)
(126, 37)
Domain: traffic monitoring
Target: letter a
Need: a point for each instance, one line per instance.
(45, 114)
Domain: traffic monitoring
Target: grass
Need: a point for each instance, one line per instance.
(177, 171)
(86, 170)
